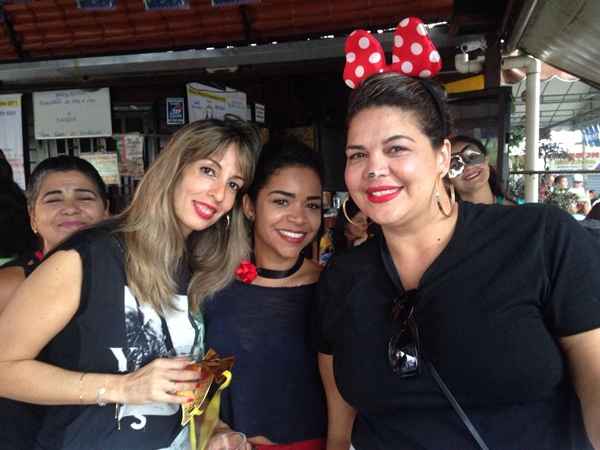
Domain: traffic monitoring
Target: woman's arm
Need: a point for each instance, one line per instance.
(583, 354)
(41, 307)
(340, 415)
(10, 279)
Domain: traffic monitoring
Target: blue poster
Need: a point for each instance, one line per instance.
(175, 111)
(166, 4)
(96, 4)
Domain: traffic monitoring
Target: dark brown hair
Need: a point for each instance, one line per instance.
(426, 100)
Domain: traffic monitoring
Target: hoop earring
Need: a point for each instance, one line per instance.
(227, 221)
(452, 200)
(346, 212)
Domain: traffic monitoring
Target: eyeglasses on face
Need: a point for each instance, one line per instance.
(404, 345)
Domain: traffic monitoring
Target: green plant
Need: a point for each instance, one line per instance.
(515, 137)
(562, 198)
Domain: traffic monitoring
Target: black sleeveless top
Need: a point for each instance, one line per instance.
(112, 332)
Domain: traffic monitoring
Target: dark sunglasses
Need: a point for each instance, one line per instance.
(469, 155)
(404, 345)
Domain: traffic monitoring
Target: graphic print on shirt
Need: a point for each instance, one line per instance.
(148, 337)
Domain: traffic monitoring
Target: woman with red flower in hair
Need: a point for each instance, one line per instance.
(276, 397)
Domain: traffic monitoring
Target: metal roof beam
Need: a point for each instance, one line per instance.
(174, 61)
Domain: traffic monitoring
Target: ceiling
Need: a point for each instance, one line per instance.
(48, 29)
(564, 34)
(563, 104)
(44, 41)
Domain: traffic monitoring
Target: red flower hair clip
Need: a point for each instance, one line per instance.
(413, 55)
(246, 272)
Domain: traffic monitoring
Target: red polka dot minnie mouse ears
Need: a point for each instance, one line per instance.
(413, 54)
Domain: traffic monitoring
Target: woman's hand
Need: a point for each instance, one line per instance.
(164, 380)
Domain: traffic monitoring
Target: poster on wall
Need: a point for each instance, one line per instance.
(106, 164)
(175, 111)
(208, 102)
(72, 113)
(259, 113)
(205, 102)
(130, 148)
(236, 103)
(11, 135)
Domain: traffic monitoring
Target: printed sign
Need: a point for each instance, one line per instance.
(11, 135)
(259, 113)
(106, 164)
(175, 111)
(218, 3)
(72, 113)
(130, 148)
(207, 102)
(235, 103)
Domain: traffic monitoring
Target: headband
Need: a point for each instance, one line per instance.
(413, 55)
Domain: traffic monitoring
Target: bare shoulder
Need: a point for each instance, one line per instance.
(311, 271)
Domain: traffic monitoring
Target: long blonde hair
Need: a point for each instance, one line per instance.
(155, 242)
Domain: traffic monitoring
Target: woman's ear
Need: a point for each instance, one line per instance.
(444, 156)
(248, 208)
(32, 221)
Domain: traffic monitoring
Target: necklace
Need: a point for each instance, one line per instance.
(277, 274)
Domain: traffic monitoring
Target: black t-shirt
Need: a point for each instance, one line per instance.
(112, 332)
(491, 307)
(276, 390)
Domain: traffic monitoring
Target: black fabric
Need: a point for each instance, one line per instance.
(24, 418)
(112, 333)
(16, 235)
(592, 226)
(510, 282)
(276, 390)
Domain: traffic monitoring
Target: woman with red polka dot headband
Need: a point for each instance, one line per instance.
(445, 331)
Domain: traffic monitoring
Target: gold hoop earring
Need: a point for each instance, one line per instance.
(346, 212)
(439, 202)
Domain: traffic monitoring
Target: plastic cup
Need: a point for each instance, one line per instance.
(231, 440)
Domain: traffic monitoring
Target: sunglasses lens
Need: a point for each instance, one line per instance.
(403, 353)
(456, 166)
(472, 155)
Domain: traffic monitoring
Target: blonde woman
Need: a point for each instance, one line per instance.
(86, 332)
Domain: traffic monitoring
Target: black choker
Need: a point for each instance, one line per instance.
(276, 274)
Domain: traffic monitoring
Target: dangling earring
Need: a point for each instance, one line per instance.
(346, 212)
(227, 221)
(438, 200)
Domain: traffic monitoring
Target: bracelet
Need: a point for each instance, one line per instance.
(83, 374)
(100, 393)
